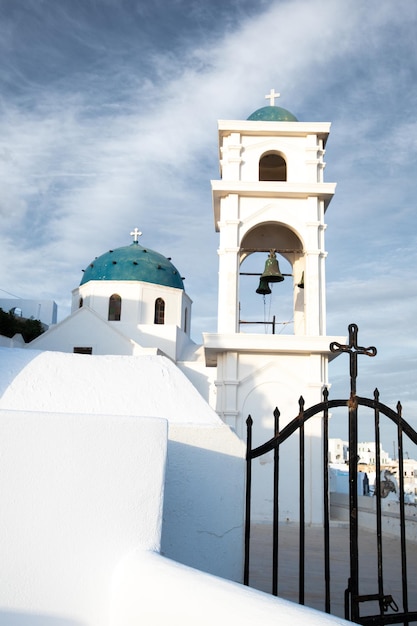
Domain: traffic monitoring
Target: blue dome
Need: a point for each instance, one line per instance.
(272, 114)
(133, 263)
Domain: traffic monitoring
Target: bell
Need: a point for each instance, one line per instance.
(301, 283)
(271, 272)
(263, 288)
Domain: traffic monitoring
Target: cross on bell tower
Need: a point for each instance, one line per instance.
(271, 97)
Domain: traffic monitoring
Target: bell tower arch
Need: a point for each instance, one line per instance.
(279, 257)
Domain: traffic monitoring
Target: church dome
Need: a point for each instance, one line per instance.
(272, 114)
(134, 263)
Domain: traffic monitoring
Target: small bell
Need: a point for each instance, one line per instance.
(301, 283)
(263, 288)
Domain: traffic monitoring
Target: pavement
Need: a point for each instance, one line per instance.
(260, 570)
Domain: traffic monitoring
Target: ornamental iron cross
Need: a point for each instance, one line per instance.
(353, 350)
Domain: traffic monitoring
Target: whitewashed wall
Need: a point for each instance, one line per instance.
(79, 493)
(186, 597)
(204, 496)
(339, 510)
(204, 505)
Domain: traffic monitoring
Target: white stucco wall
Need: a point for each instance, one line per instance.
(390, 520)
(81, 521)
(301, 143)
(186, 597)
(16, 341)
(203, 503)
(203, 513)
(255, 374)
(79, 493)
(86, 328)
(138, 301)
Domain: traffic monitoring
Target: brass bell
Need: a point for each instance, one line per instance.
(271, 272)
(263, 288)
(301, 283)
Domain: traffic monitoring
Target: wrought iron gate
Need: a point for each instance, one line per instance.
(389, 607)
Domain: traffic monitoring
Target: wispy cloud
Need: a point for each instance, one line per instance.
(108, 116)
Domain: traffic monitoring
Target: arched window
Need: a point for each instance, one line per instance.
(272, 166)
(115, 308)
(159, 311)
(80, 303)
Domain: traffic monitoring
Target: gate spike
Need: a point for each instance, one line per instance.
(276, 422)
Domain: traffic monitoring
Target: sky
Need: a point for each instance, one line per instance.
(108, 121)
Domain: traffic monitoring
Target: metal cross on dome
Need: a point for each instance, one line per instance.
(135, 234)
(271, 97)
(353, 350)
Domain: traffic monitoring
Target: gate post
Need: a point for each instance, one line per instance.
(353, 350)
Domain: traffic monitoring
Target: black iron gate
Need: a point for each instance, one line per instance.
(389, 607)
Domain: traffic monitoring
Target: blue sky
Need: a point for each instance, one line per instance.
(108, 120)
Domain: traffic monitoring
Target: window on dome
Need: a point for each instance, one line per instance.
(159, 311)
(272, 166)
(115, 308)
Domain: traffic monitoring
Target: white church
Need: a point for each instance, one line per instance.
(132, 301)
(132, 316)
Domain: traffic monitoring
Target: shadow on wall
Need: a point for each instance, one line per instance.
(203, 504)
(12, 618)
(11, 368)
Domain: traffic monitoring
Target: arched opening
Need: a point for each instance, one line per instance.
(266, 313)
(115, 308)
(271, 307)
(80, 303)
(272, 166)
(159, 317)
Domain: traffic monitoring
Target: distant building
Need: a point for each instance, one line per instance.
(339, 475)
(339, 453)
(367, 455)
(44, 310)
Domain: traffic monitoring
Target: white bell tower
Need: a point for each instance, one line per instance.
(271, 196)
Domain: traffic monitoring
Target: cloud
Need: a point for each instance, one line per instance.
(108, 120)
